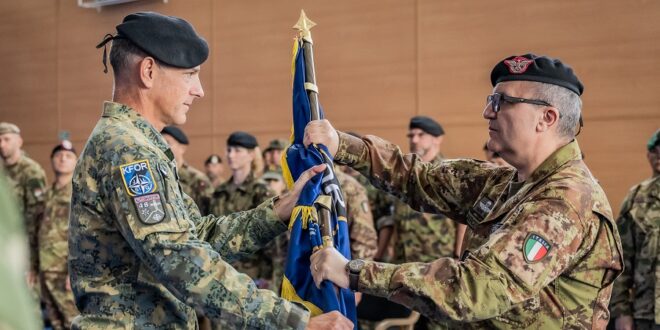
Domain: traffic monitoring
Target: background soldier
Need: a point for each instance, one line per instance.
(273, 154)
(543, 249)
(243, 191)
(636, 292)
(214, 170)
(193, 182)
(27, 181)
(53, 240)
(140, 254)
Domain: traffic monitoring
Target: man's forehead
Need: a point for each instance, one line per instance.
(514, 88)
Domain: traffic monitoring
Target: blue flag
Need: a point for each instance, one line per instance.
(298, 284)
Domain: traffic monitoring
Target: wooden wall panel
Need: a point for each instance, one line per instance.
(378, 63)
(28, 89)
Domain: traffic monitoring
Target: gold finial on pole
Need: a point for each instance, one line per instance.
(303, 25)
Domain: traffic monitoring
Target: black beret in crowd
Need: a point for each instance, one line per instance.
(168, 39)
(63, 145)
(530, 67)
(176, 133)
(653, 141)
(427, 125)
(242, 139)
(213, 159)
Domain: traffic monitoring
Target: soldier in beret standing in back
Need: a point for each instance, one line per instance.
(543, 249)
(140, 254)
(193, 182)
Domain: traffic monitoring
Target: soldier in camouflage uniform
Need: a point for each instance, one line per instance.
(53, 241)
(15, 301)
(193, 182)
(213, 169)
(140, 254)
(27, 181)
(636, 293)
(273, 154)
(241, 192)
(423, 237)
(543, 249)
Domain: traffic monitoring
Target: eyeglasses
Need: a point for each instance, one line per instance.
(495, 100)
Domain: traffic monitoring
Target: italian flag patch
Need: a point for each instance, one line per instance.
(535, 248)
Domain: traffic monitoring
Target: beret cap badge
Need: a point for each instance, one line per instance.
(518, 64)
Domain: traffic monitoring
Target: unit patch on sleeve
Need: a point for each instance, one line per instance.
(535, 248)
(150, 208)
(138, 178)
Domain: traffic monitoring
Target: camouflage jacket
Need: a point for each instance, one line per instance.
(364, 240)
(28, 181)
(381, 204)
(54, 230)
(140, 255)
(422, 237)
(196, 185)
(639, 226)
(542, 258)
(16, 305)
(228, 198)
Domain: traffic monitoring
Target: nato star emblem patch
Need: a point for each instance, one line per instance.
(150, 208)
(518, 64)
(535, 248)
(138, 178)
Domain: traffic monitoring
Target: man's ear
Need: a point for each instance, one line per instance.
(549, 118)
(147, 71)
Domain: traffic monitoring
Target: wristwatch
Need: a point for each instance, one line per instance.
(354, 267)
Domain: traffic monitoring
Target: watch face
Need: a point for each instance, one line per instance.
(355, 266)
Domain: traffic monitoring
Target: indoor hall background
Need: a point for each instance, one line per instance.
(378, 63)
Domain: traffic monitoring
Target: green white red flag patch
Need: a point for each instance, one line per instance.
(535, 248)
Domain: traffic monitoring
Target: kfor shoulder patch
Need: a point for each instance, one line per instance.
(535, 248)
(138, 178)
(150, 208)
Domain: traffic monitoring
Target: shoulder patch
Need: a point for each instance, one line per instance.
(150, 208)
(138, 178)
(535, 248)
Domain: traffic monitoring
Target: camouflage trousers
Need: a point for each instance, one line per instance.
(60, 306)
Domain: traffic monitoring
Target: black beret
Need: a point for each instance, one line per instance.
(530, 67)
(653, 141)
(427, 125)
(63, 145)
(176, 133)
(168, 39)
(213, 159)
(242, 139)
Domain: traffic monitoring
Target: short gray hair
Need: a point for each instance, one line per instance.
(567, 102)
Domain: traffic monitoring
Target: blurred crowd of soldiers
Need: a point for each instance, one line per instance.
(382, 228)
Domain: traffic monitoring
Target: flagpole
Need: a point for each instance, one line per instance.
(304, 25)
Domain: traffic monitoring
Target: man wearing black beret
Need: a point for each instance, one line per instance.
(542, 251)
(140, 254)
(193, 181)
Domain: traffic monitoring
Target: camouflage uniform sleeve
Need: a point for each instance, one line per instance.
(621, 302)
(496, 276)
(449, 187)
(16, 305)
(364, 240)
(34, 206)
(188, 267)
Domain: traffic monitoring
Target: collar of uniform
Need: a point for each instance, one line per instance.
(561, 156)
(124, 112)
(243, 186)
